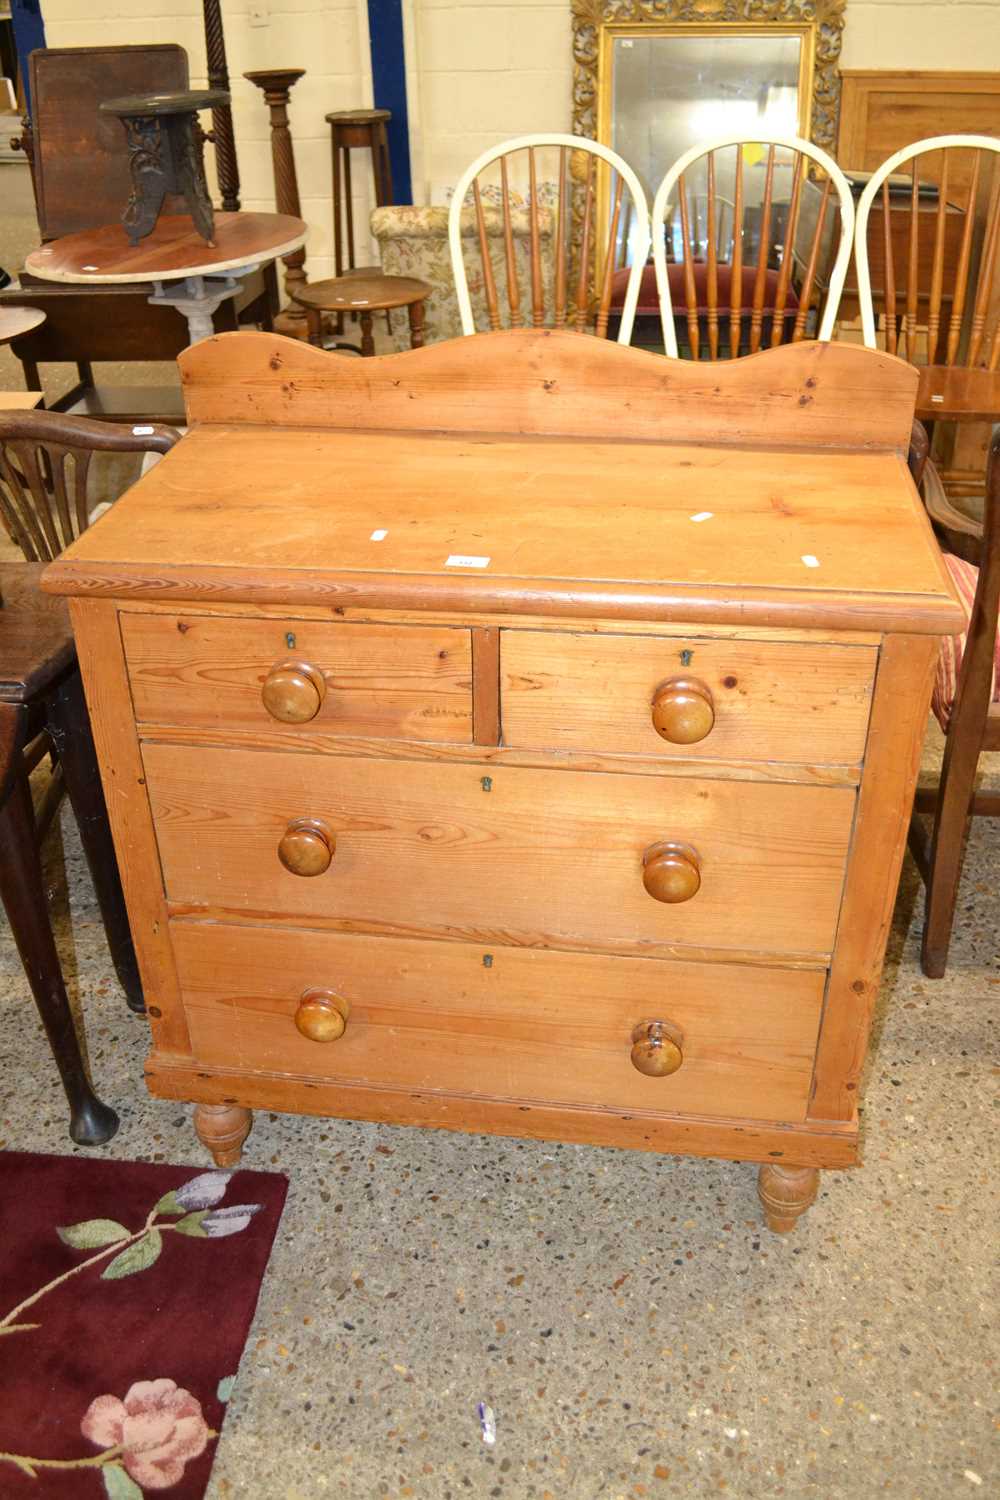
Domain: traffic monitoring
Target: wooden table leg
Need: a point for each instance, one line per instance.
(314, 318)
(416, 312)
(22, 890)
(785, 1194)
(69, 728)
(367, 338)
(222, 1129)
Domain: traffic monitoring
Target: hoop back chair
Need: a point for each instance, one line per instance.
(756, 289)
(44, 466)
(583, 278)
(940, 308)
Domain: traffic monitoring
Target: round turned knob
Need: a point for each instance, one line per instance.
(683, 711)
(656, 1048)
(307, 847)
(293, 692)
(322, 1015)
(671, 872)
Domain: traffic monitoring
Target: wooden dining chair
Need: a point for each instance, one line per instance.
(583, 274)
(784, 255)
(926, 253)
(44, 467)
(966, 703)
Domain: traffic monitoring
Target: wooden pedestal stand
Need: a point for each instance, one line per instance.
(276, 84)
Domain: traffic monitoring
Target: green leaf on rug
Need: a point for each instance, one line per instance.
(137, 1257)
(118, 1485)
(225, 1388)
(191, 1224)
(91, 1233)
(168, 1204)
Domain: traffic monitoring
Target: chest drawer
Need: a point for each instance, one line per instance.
(743, 700)
(553, 1027)
(296, 676)
(535, 857)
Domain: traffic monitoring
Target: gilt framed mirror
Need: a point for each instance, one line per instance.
(654, 77)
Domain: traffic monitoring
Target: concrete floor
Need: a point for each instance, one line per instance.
(634, 1328)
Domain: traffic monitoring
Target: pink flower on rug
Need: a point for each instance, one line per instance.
(158, 1426)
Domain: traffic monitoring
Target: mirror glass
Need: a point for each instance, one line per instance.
(668, 92)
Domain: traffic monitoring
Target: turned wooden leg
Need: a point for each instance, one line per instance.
(314, 322)
(367, 337)
(786, 1193)
(416, 312)
(222, 1129)
(69, 727)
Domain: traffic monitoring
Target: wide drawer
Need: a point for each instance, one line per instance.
(508, 1023)
(536, 857)
(766, 701)
(388, 681)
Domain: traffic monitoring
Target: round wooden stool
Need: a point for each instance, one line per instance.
(17, 321)
(364, 295)
(351, 129)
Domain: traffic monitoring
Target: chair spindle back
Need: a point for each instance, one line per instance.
(581, 280)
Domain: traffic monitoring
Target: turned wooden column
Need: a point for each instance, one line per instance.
(785, 1193)
(276, 85)
(222, 136)
(222, 1129)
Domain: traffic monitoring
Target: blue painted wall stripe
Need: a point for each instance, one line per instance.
(385, 33)
(29, 33)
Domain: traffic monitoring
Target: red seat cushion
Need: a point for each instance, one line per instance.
(965, 577)
(649, 302)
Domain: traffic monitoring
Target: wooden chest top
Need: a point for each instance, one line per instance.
(729, 530)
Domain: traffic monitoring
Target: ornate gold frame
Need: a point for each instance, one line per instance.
(596, 21)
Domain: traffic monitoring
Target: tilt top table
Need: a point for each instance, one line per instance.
(523, 732)
(186, 273)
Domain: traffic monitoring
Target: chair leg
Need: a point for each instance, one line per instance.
(23, 893)
(958, 776)
(69, 728)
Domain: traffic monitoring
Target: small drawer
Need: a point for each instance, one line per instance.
(300, 677)
(712, 699)
(500, 1022)
(541, 858)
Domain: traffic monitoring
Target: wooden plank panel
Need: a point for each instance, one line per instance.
(105, 681)
(547, 1027)
(899, 722)
(525, 856)
(402, 682)
(772, 702)
(740, 1140)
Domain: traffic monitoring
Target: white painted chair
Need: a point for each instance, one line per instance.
(760, 302)
(580, 284)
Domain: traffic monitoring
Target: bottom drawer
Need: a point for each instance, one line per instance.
(510, 1023)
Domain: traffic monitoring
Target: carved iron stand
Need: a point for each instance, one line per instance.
(165, 156)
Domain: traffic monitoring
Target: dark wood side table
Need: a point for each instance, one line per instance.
(364, 294)
(351, 129)
(40, 690)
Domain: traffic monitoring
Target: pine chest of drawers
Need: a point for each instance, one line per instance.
(518, 735)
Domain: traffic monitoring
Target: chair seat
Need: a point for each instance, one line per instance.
(649, 302)
(965, 577)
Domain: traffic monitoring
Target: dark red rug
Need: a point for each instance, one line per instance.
(126, 1295)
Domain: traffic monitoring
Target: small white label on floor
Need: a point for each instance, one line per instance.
(460, 560)
(809, 560)
(703, 515)
(379, 536)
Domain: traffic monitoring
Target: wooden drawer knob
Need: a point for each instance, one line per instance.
(656, 1048)
(322, 1015)
(307, 847)
(293, 692)
(683, 711)
(671, 872)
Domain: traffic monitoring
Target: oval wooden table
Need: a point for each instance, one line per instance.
(366, 295)
(173, 253)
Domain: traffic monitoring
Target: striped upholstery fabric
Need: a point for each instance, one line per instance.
(965, 577)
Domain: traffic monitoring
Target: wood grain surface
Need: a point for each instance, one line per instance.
(772, 702)
(531, 858)
(545, 1027)
(393, 681)
(523, 381)
(173, 249)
